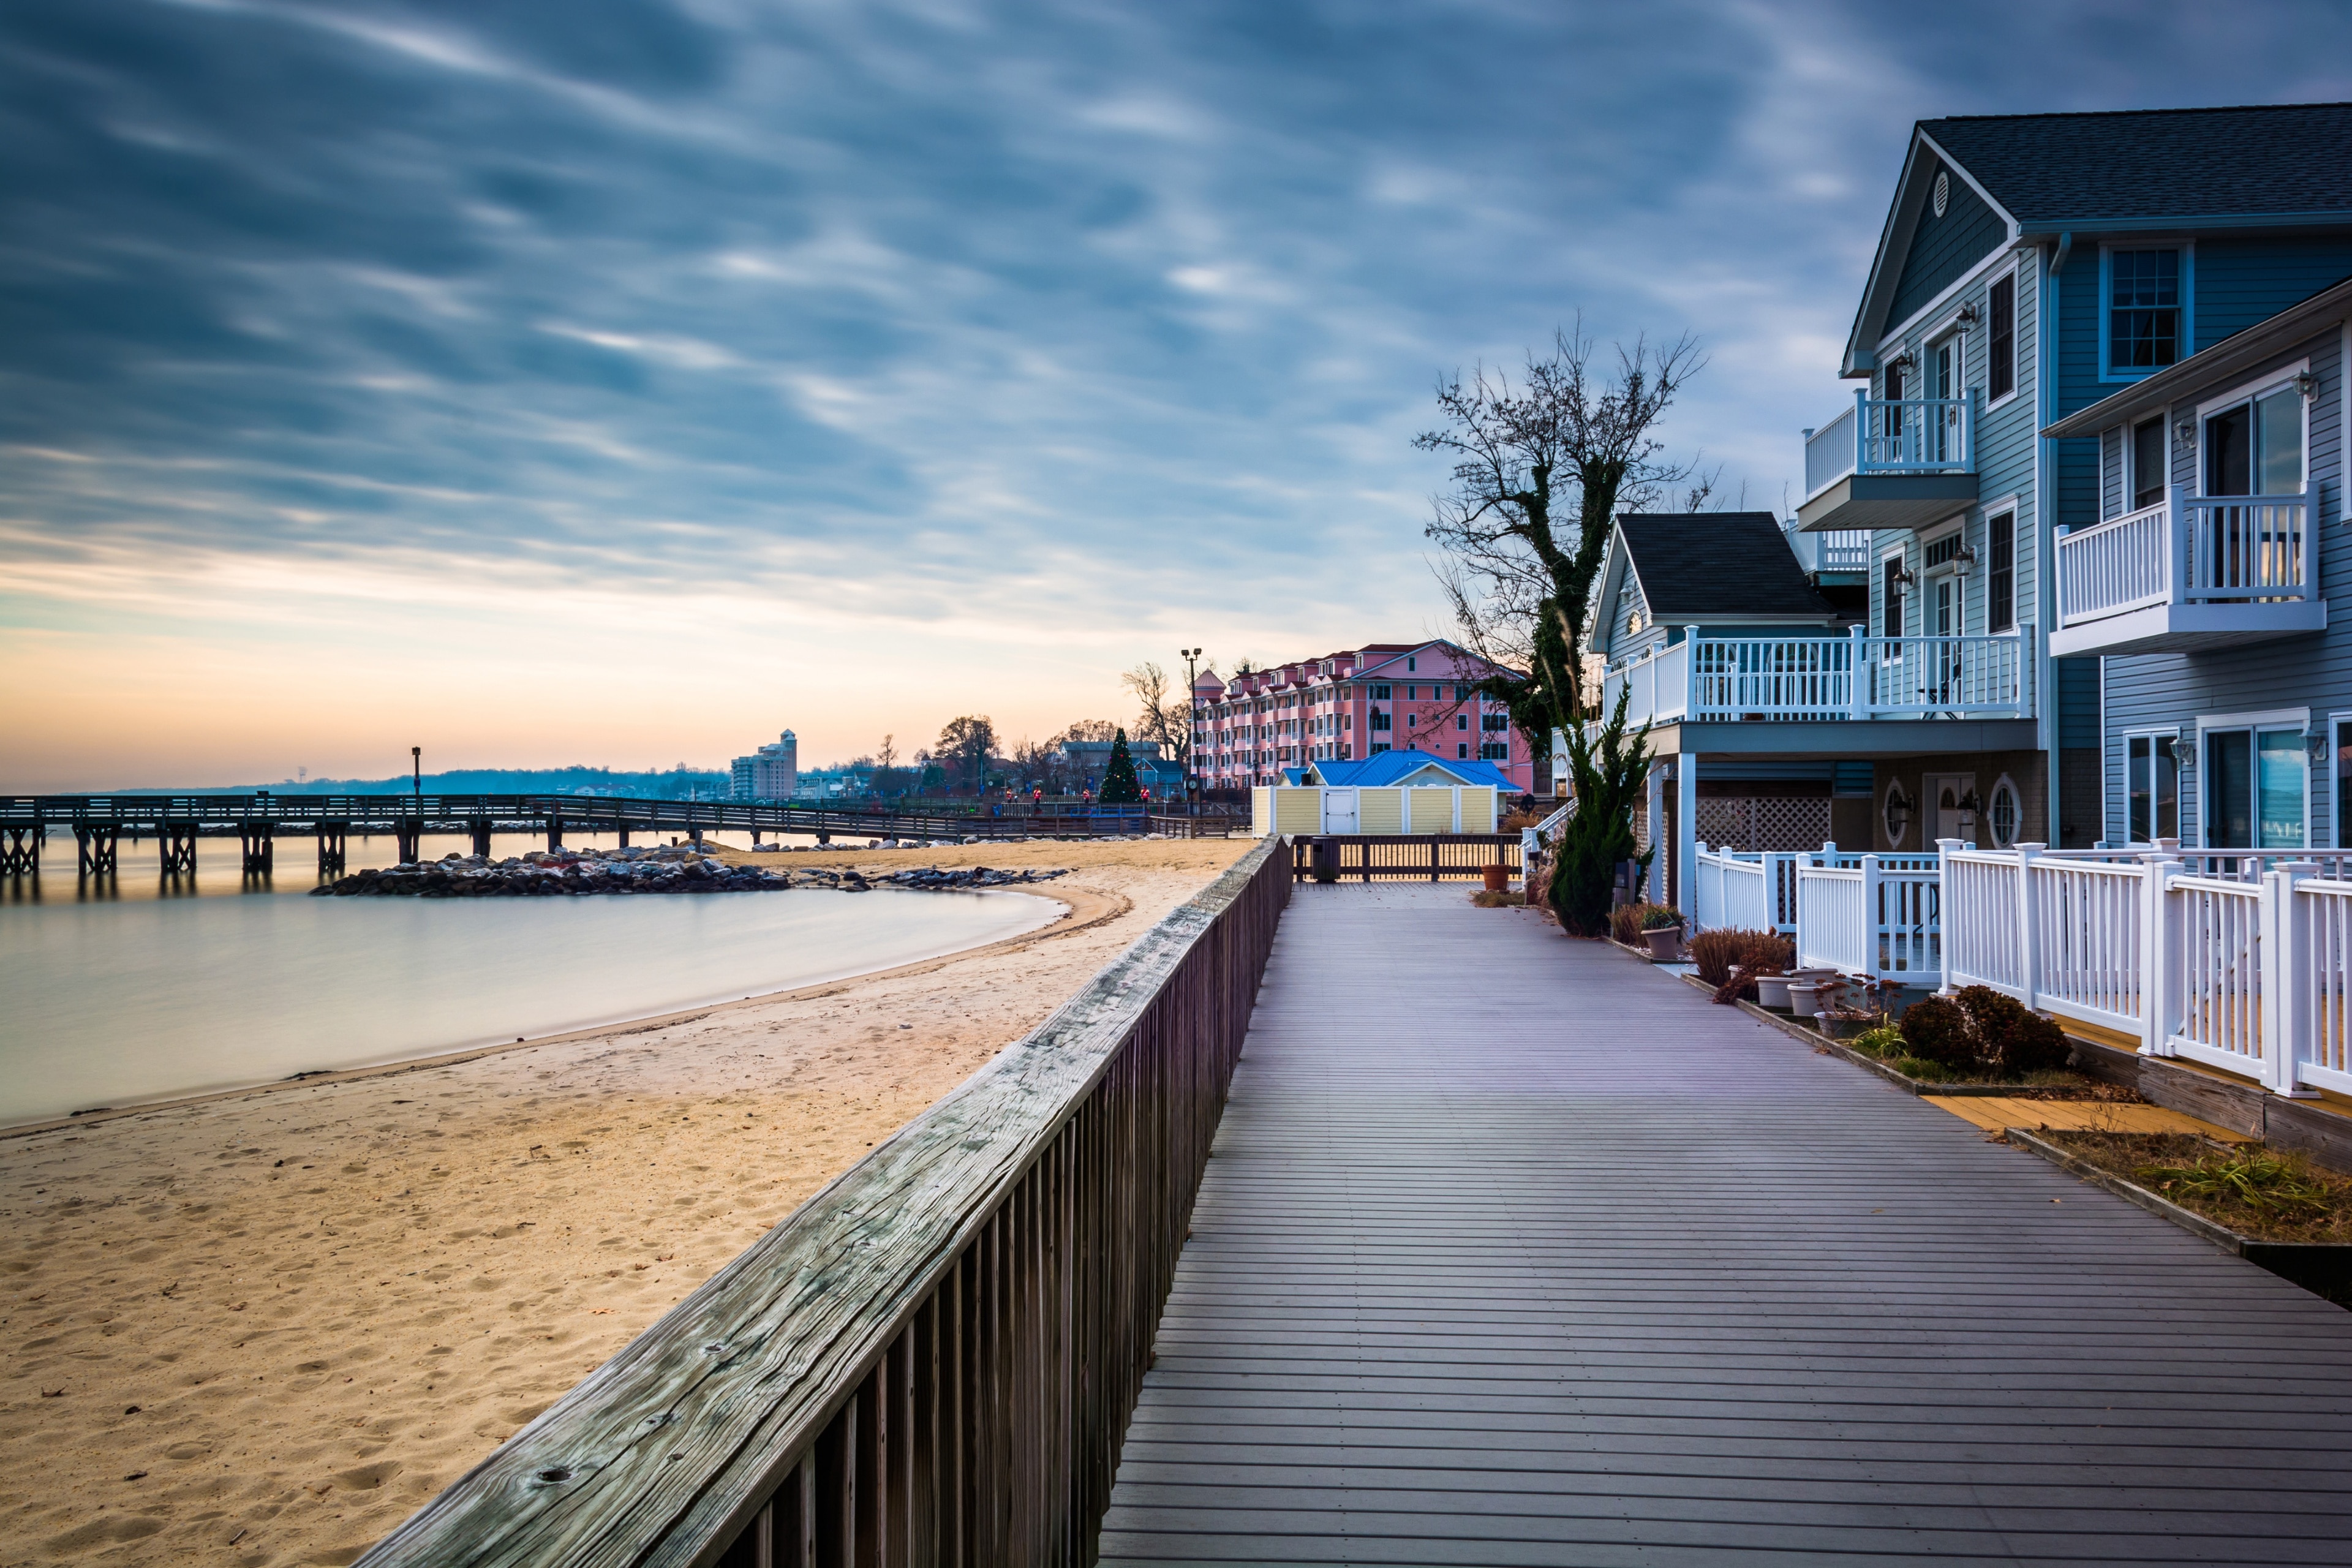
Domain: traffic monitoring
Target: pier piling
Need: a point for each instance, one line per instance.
(481, 830)
(334, 854)
(20, 855)
(408, 835)
(555, 834)
(177, 843)
(98, 847)
(259, 849)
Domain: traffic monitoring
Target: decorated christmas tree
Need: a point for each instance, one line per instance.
(1120, 787)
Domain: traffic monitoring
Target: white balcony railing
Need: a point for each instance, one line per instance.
(2190, 550)
(1854, 677)
(1841, 550)
(1907, 435)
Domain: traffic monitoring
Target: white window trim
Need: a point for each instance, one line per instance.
(2334, 807)
(2187, 248)
(2180, 776)
(1885, 796)
(2249, 392)
(1992, 836)
(2015, 509)
(2016, 316)
(2297, 718)
(2125, 501)
(2245, 391)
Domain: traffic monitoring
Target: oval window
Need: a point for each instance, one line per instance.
(2003, 813)
(1897, 814)
(1943, 192)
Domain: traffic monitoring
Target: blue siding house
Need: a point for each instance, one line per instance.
(2216, 525)
(2044, 286)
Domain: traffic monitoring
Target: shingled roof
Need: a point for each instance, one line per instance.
(1716, 565)
(2274, 159)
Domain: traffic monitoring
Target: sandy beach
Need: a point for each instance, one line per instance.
(264, 1327)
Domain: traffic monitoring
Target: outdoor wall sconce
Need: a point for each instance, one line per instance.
(1965, 560)
(1905, 579)
(2314, 746)
(2307, 385)
(1968, 316)
(2184, 750)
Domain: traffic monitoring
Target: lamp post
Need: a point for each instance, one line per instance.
(1192, 715)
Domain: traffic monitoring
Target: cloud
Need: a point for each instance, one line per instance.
(1110, 319)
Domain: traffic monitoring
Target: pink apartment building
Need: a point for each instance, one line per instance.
(1345, 707)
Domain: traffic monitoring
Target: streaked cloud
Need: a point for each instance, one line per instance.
(850, 366)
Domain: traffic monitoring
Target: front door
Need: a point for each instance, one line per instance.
(1952, 803)
(1943, 382)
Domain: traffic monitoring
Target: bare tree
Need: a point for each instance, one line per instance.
(1165, 715)
(886, 755)
(965, 745)
(1540, 470)
(1099, 730)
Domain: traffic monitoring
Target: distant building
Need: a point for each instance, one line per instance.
(834, 784)
(771, 773)
(1091, 759)
(1352, 706)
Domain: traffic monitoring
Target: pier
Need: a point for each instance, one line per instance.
(258, 820)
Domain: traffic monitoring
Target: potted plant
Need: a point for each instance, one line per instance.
(1772, 990)
(1498, 878)
(1662, 928)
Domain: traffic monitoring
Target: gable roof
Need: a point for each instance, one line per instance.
(2047, 175)
(1387, 768)
(2280, 160)
(1711, 566)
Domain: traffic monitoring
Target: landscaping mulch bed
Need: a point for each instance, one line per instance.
(2190, 1181)
(2258, 1193)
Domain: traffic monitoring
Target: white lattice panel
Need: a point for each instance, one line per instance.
(1763, 822)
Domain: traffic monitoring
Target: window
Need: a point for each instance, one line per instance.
(1943, 192)
(1462, 751)
(1894, 383)
(1378, 747)
(2001, 573)
(1412, 720)
(1411, 665)
(1897, 814)
(2151, 787)
(1891, 616)
(2253, 789)
(1941, 552)
(2002, 813)
(1462, 720)
(1496, 751)
(1380, 694)
(2343, 784)
(2148, 463)
(2143, 310)
(2001, 350)
(1381, 720)
(2255, 448)
(1494, 721)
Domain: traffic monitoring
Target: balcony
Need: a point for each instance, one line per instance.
(2190, 571)
(1845, 554)
(1882, 464)
(1827, 679)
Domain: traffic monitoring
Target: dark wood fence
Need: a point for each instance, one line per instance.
(934, 1359)
(1424, 858)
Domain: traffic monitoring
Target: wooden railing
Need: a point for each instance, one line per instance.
(933, 1360)
(1424, 858)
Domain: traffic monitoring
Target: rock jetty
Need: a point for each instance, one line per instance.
(574, 873)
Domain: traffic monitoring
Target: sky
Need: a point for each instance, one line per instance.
(626, 380)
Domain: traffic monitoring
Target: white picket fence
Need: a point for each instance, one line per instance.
(1874, 915)
(2235, 963)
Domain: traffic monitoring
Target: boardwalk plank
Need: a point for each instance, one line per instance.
(1514, 1251)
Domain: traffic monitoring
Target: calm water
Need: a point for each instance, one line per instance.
(143, 992)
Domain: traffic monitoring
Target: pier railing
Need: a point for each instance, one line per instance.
(1394, 858)
(934, 1359)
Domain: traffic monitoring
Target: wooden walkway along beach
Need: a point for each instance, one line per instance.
(1512, 1251)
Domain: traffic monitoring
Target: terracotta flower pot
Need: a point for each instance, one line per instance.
(1498, 878)
(1665, 942)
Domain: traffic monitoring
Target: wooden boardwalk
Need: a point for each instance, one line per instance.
(1512, 1251)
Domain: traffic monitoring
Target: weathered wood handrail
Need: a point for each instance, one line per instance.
(933, 1360)
(1404, 856)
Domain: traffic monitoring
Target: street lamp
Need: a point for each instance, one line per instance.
(1192, 714)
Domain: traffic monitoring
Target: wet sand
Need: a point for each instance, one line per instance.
(264, 1327)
